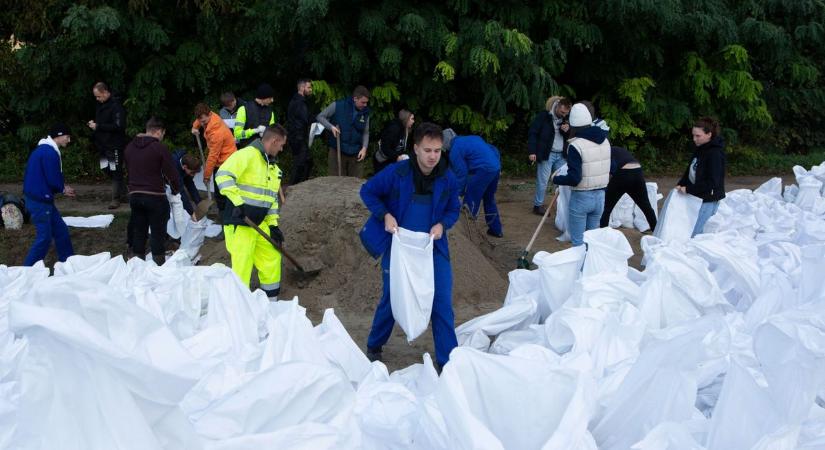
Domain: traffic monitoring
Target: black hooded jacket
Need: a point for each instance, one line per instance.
(710, 171)
(110, 132)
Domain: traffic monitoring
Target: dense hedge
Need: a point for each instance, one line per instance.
(649, 66)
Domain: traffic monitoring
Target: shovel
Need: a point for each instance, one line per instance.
(522, 262)
(313, 269)
(204, 205)
(338, 140)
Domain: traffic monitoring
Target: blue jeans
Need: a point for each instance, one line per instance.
(543, 172)
(50, 226)
(481, 187)
(707, 211)
(586, 209)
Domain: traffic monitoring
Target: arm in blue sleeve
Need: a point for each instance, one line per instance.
(574, 169)
(375, 190)
(51, 168)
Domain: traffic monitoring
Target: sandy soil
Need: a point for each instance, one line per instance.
(321, 219)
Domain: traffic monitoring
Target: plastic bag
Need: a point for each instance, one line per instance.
(562, 210)
(607, 251)
(622, 214)
(559, 272)
(678, 216)
(412, 281)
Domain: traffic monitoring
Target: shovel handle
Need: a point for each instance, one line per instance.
(274, 243)
(544, 217)
(338, 140)
(203, 164)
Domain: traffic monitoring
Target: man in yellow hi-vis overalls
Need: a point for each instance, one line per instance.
(250, 180)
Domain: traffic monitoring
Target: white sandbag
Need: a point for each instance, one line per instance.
(607, 251)
(772, 188)
(562, 208)
(812, 282)
(512, 339)
(340, 349)
(653, 196)
(558, 274)
(678, 216)
(192, 237)
(790, 193)
(387, 414)
(306, 436)
(809, 189)
(99, 221)
(622, 214)
(660, 387)
(498, 402)
(515, 316)
(523, 283)
(412, 281)
(734, 264)
(177, 216)
(669, 436)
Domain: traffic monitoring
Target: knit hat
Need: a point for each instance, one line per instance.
(447, 137)
(580, 116)
(264, 91)
(59, 129)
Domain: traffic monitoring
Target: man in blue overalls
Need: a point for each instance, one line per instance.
(477, 166)
(418, 194)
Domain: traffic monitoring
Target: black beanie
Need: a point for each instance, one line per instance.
(59, 129)
(264, 91)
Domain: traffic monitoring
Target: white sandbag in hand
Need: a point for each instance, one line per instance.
(678, 217)
(177, 216)
(412, 281)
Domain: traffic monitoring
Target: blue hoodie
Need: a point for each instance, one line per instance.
(470, 154)
(574, 158)
(44, 172)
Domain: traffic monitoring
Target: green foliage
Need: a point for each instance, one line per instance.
(650, 67)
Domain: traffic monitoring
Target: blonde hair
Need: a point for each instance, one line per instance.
(556, 99)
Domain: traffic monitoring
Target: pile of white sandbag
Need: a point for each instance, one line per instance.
(718, 344)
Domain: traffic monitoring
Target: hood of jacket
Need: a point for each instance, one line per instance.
(144, 140)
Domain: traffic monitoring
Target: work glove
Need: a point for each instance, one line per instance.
(256, 214)
(276, 234)
(260, 130)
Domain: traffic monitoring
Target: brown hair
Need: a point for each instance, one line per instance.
(360, 91)
(226, 98)
(201, 109)
(276, 129)
(101, 87)
(191, 162)
(429, 130)
(154, 124)
(708, 125)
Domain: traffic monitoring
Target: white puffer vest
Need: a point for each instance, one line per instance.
(595, 164)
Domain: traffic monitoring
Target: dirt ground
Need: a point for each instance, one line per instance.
(321, 220)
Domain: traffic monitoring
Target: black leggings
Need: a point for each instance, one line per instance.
(148, 212)
(631, 182)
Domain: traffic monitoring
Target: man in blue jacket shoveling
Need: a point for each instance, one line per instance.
(42, 180)
(419, 194)
(477, 166)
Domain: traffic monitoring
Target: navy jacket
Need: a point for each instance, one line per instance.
(351, 122)
(541, 135)
(44, 173)
(470, 154)
(391, 191)
(186, 182)
(710, 171)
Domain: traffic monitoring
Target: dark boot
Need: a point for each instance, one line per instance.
(539, 210)
(159, 259)
(375, 354)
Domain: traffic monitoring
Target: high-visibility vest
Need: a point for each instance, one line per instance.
(250, 116)
(247, 177)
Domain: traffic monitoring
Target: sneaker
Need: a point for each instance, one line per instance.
(375, 354)
(539, 210)
(491, 233)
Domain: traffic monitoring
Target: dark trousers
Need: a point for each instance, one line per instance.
(220, 200)
(116, 175)
(50, 227)
(632, 183)
(301, 163)
(149, 212)
(350, 167)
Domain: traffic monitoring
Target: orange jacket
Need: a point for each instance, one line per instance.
(219, 140)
